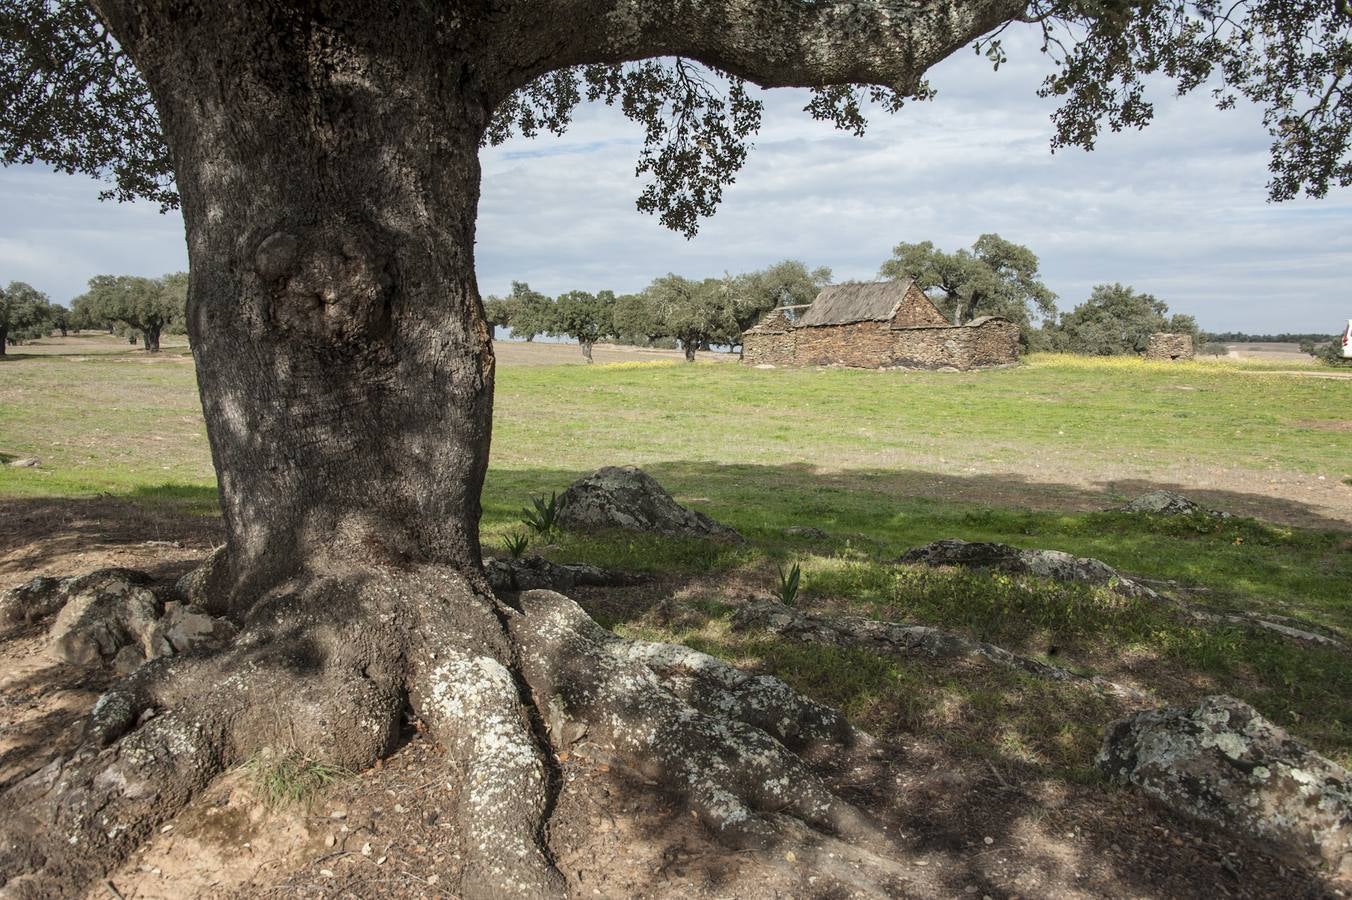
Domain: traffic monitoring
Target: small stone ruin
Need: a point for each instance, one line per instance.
(1169, 347)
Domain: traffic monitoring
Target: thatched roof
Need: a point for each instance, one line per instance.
(841, 304)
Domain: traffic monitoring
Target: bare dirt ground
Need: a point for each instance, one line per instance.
(1269, 350)
(537, 353)
(963, 827)
(512, 353)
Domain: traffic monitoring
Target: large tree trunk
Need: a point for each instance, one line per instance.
(344, 363)
(4, 338)
(330, 184)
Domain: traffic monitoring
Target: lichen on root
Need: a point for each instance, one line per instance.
(637, 705)
(326, 667)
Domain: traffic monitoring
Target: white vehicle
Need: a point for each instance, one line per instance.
(1347, 340)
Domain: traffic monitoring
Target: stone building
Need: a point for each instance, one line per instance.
(1165, 346)
(877, 325)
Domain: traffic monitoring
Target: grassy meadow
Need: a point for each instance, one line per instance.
(880, 461)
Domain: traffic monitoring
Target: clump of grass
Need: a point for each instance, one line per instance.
(290, 779)
(516, 543)
(543, 519)
(789, 581)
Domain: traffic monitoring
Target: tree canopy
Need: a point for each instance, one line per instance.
(995, 277)
(786, 283)
(144, 305)
(528, 313)
(70, 97)
(25, 313)
(584, 317)
(1117, 320)
(694, 313)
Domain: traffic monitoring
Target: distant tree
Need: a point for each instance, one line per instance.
(61, 319)
(1239, 337)
(584, 317)
(787, 283)
(696, 314)
(529, 313)
(25, 314)
(1116, 319)
(1331, 352)
(85, 314)
(637, 319)
(995, 278)
(143, 305)
(498, 311)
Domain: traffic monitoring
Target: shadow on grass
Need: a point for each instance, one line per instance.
(878, 514)
(940, 809)
(64, 536)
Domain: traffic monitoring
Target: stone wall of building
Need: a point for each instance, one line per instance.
(768, 348)
(977, 345)
(917, 309)
(875, 345)
(1166, 346)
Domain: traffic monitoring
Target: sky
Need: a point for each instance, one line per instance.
(1178, 210)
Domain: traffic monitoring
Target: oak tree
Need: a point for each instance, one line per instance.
(1117, 320)
(694, 313)
(145, 306)
(786, 283)
(584, 317)
(995, 278)
(25, 314)
(636, 319)
(325, 156)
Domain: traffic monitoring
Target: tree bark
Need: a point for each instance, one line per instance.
(345, 367)
(586, 350)
(4, 339)
(689, 348)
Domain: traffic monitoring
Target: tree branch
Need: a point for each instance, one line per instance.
(774, 43)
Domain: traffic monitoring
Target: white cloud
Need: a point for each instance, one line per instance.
(1178, 210)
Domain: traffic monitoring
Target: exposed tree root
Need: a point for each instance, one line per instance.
(624, 701)
(326, 667)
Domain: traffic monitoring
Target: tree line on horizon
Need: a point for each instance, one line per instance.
(992, 277)
(136, 307)
(671, 311)
(995, 277)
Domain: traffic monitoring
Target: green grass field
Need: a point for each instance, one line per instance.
(881, 461)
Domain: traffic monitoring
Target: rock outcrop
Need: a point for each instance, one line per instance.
(627, 498)
(1169, 503)
(1223, 763)
(102, 613)
(1054, 564)
(111, 617)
